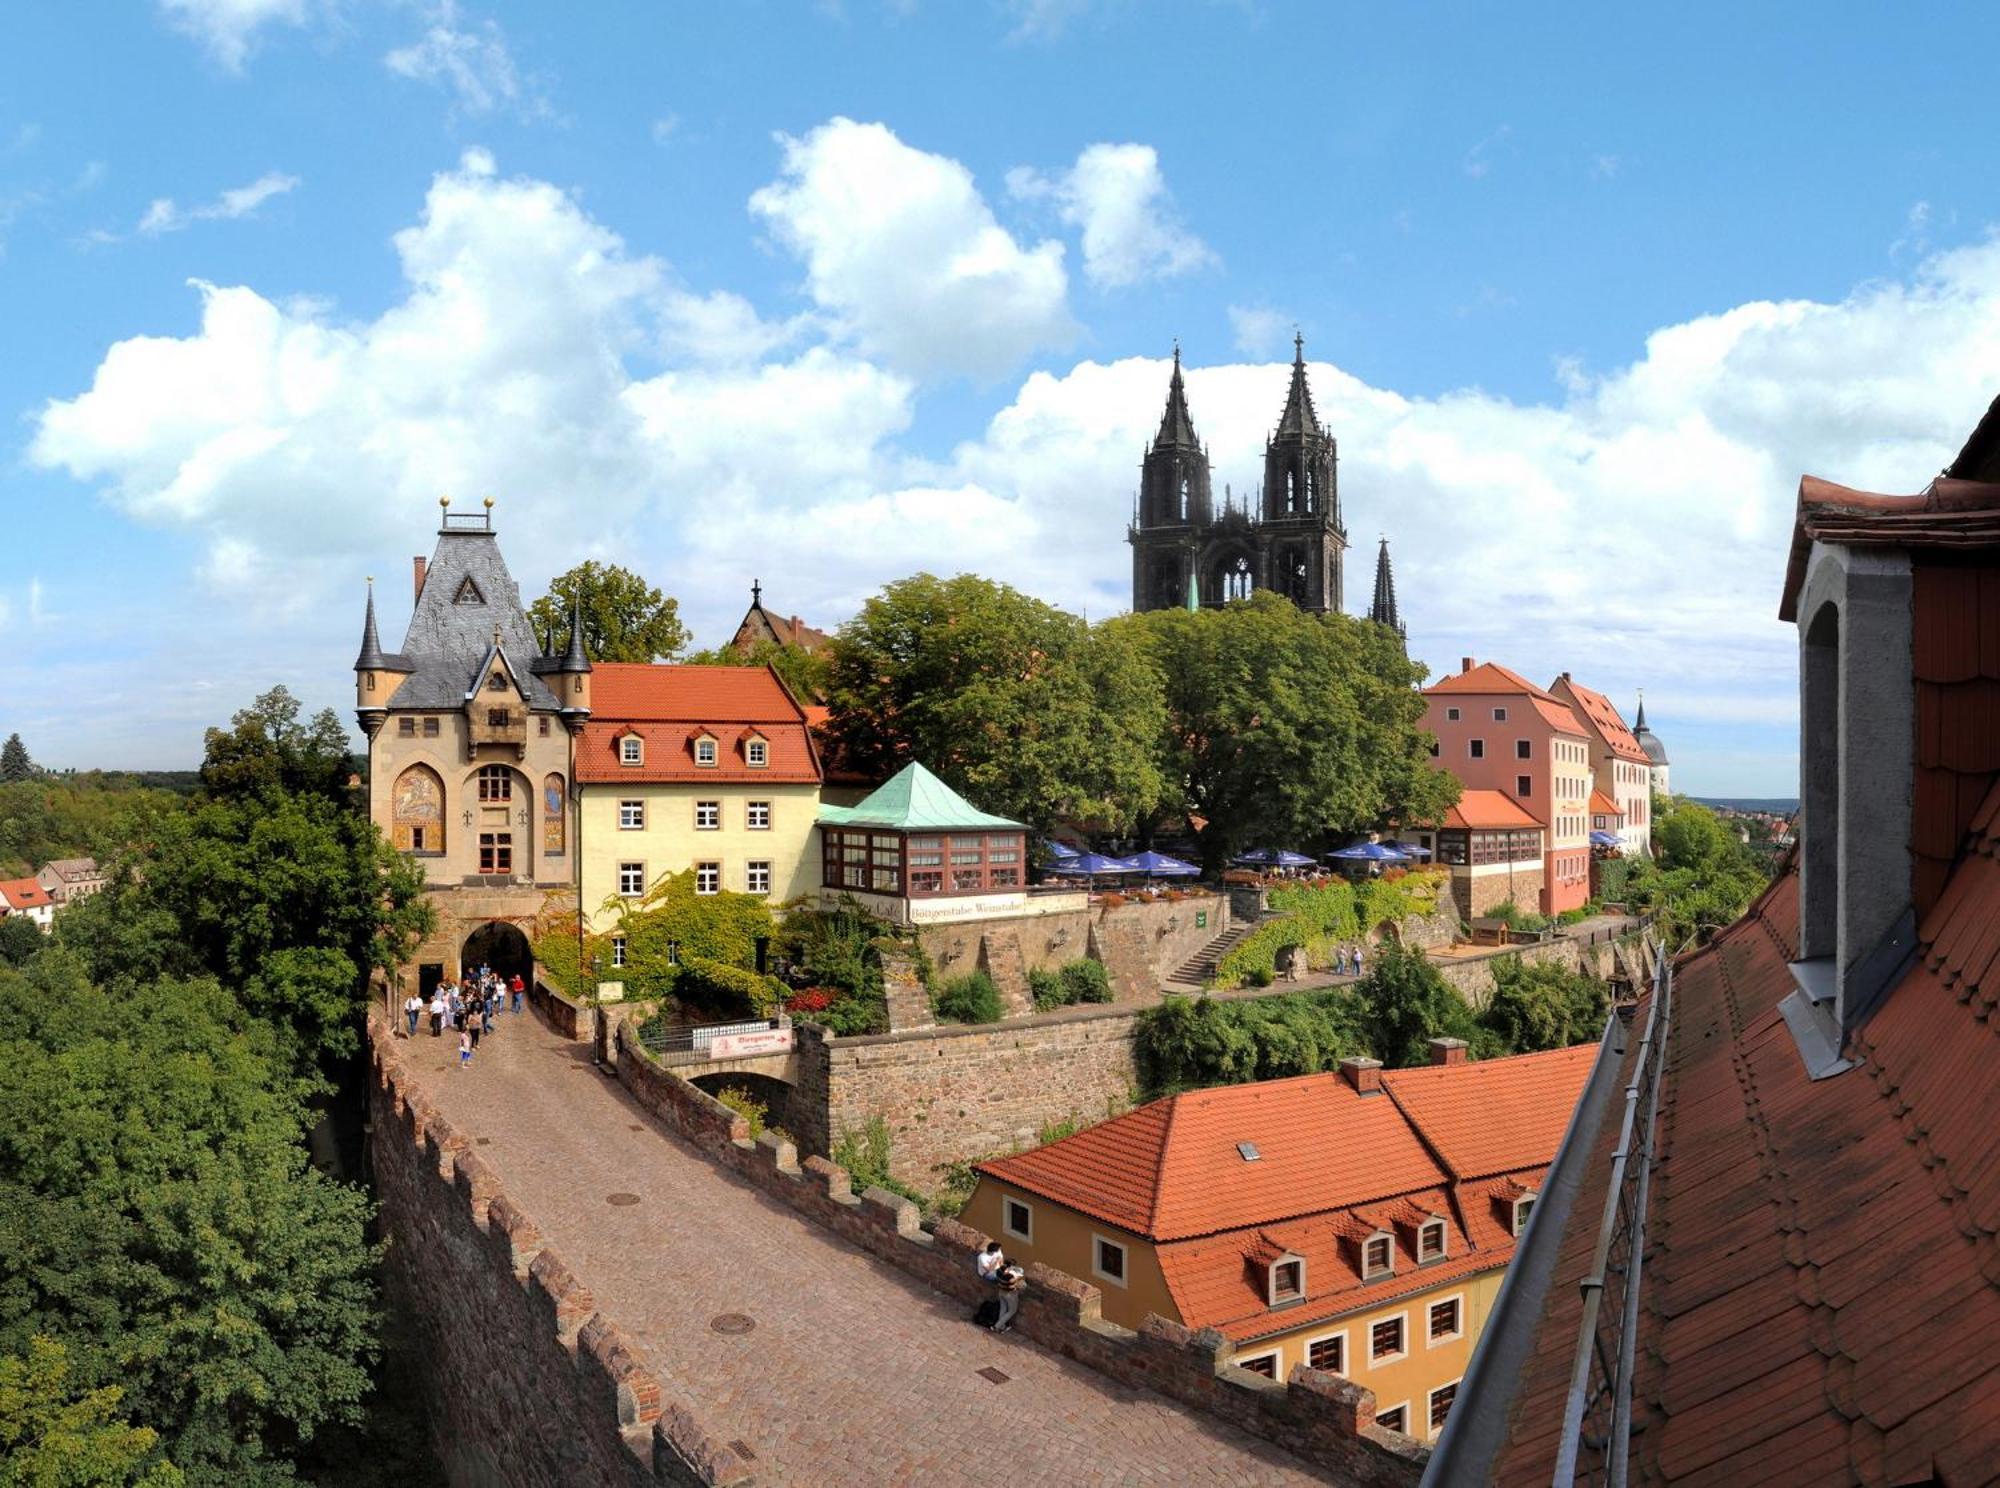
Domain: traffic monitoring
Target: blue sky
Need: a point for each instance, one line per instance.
(824, 294)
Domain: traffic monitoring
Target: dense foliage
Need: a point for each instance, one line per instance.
(804, 672)
(1082, 980)
(971, 998)
(1391, 1015)
(54, 1434)
(624, 617)
(1027, 710)
(1283, 727)
(15, 762)
(700, 949)
(1703, 878)
(1322, 916)
(91, 815)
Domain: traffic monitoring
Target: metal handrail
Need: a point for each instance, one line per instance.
(1601, 1373)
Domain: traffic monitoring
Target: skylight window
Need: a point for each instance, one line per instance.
(1248, 1151)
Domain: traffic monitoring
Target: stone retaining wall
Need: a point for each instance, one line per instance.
(1320, 1417)
(1141, 944)
(529, 1383)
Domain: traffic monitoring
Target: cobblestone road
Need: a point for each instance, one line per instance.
(854, 1373)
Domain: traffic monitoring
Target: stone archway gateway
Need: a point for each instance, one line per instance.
(500, 945)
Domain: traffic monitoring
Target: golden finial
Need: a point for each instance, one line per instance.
(444, 501)
(489, 503)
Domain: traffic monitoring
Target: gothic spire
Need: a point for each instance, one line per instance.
(1299, 417)
(371, 658)
(1383, 610)
(573, 658)
(1176, 427)
(1640, 722)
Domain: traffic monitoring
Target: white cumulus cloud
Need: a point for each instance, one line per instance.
(904, 255)
(164, 215)
(1117, 197)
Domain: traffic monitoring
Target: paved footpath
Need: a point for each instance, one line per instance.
(854, 1374)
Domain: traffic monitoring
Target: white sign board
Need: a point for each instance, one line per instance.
(749, 1045)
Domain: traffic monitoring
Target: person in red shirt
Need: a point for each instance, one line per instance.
(518, 988)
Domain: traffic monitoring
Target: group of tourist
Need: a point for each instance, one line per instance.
(467, 1007)
(997, 1313)
(1347, 959)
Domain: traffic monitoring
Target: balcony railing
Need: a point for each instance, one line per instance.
(1597, 1416)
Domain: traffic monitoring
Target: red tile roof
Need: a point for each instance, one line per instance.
(1489, 810)
(1955, 652)
(22, 894)
(1333, 1166)
(1597, 709)
(671, 706)
(1946, 514)
(1603, 805)
(1487, 677)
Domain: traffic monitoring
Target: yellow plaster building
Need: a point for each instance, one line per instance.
(1359, 1223)
(709, 768)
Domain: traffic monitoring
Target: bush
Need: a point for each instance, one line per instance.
(854, 1017)
(1046, 987)
(1085, 980)
(1183, 1044)
(1543, 1007)
(1260, 976)
(865, 1155)
(812, 1000)
(752, 1110)
(971, 998)
(728, 991)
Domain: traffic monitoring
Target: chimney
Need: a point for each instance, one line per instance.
(1447, 1051)
(1465, 663)
(1365, 1075)
(419, 563)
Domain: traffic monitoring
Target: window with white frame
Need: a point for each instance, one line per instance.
(1288, 1281)
(1107, 1259)
(757, 754)
(1328, 1353)
(1378, 1257)
(1265, 1364)
(1444, 1320)
(617, 950)
(757, 816)
(1523, 1207)
(1017, 1218)
(707, 816)
(757, 876)
(1395, 1418)
(1499, 715)
(1441, 1399)
(1389, 1339)
(1477, 748)
(631, 879)
(704, 751)
(1451, 715)
(631, 816)
(708, 878)
(631, 750)
(1430, 1240)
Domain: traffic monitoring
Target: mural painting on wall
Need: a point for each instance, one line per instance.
(552, 814)
(419, 811)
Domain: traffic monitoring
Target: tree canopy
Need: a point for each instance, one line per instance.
(14, 761)
(1025, 709)
(624, 617)
(1282, 727)
(54, 1434)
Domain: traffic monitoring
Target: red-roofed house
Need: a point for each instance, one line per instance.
(1620, 767)
(705, 767)
(1497, 731)
(1817, 1301)
(1357, 1222)
(27, 898)
(1492, 849)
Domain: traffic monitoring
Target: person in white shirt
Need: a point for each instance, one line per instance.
(411, 1008)
(990, 1262)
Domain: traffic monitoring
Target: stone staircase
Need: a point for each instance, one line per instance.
(1193, 974)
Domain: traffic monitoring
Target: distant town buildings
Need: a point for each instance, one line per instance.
(27, 898)
(70, 879)
(1358, 1222)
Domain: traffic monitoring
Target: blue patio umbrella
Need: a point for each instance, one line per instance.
(1265, 857)
(1159, 865)
(1090, 865)
(1605, 839)
(1059, 850)
(1371, 852)
(1411, 850)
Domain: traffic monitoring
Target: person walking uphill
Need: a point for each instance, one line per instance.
(413, 1005)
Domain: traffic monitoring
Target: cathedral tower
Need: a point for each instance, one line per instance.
(1174, 506)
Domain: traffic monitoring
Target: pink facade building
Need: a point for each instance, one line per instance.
(1619, 767)
(1497, 731)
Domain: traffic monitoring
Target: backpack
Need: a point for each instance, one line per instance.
(987, 1313)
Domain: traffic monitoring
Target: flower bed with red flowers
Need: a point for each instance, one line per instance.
(812, 1000)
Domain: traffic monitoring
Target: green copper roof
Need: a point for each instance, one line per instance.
(915, 801)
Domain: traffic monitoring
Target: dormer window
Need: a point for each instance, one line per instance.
(1523, 1207)
(1430, 1241)
(631, 750)
(1378, 1257)
(468, 593)
(1287, 1280)
(756, 753)
(497, 682)
(704, 751)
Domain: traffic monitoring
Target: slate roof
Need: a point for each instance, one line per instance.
(1176, 426)
(450, 639)
(914, 800)
(1299, 420)
(73, 868)
(671, 706)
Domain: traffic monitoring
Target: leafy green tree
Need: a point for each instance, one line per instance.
(1408, 1004)
(267, 747)
(93, 814)
(1028, 711)
(1692, 836)
(804, 672)
(20, 940)
(624, 617)
(1543, 1006)
(14, 761)
(54, 1435)
(160, 1220)
(1283, 727)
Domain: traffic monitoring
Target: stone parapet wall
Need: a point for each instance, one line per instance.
(1133, 941)
(529, 1383)
(1471, 975)
(1321, 1417)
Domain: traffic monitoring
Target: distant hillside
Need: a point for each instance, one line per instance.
(1779, 805)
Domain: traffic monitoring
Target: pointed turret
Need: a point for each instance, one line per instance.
(371, 658)
(1176, 425)
(1299, 419)
(377, 673)
(1383, 610)
(574, 670)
